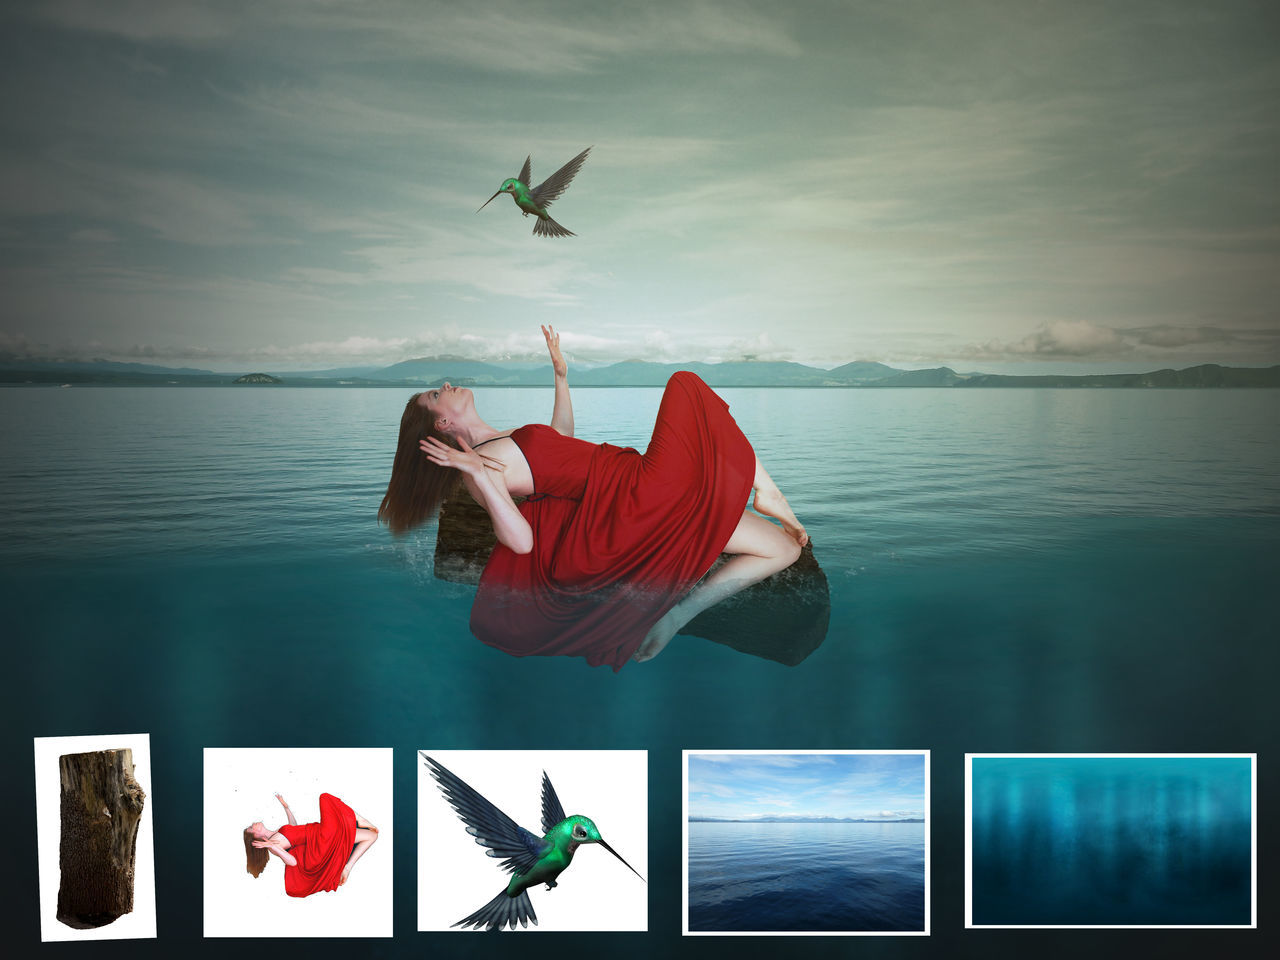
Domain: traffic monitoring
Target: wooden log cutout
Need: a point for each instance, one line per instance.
(783, 618)
(101, 805)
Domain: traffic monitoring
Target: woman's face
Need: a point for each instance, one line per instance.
(446, 402)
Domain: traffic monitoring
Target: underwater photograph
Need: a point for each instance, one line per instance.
(1112, 841)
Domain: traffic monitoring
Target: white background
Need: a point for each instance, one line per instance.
(238, 789)
(142, 921)
(596, 892)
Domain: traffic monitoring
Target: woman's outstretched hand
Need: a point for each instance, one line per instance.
(441, 454)
(558, 365)
(282, 801)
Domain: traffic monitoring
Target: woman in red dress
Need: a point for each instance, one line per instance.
(317, 856)
(599, 559)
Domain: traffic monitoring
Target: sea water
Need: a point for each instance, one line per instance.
(806, 877)
(1010, 570)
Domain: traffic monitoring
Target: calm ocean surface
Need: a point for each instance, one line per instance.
(1010, 570)
(806, 877)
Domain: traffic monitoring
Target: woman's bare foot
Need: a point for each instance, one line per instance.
(346, 872)
(770, 502)
(659, 635)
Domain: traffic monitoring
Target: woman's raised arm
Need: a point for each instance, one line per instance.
(562, 412)
(287, 812)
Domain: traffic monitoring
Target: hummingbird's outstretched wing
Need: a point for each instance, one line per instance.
(490, 826)
(552, 812)
(556, 184)
(526, 171)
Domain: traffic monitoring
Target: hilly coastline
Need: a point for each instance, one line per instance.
(628, 373)
(805, 820)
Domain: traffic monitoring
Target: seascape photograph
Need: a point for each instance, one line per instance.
(806, 843)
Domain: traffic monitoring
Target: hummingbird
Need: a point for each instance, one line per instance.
(537, 200)
(530, 859)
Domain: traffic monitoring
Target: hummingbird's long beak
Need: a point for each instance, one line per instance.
(486, 203)
(619, 856)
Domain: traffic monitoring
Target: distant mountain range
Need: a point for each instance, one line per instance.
(628, 373)
(781, 819)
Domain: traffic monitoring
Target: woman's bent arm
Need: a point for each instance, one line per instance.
(489, 487)
(271, 847)
(490, 491)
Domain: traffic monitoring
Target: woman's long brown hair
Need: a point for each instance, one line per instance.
(417, 485)
(256, 857)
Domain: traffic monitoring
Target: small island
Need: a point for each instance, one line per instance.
(257, 378)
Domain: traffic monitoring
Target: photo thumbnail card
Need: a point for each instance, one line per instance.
(1110, 840)
(806, 842)
(94, 837)
(297, 842)
(533, 840)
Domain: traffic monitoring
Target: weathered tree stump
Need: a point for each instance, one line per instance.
(783, 618)
(100, 807)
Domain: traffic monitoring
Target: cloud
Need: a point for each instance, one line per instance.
(543, 38)
(719, 790)
(355, 349)
(1171, 336)
(1070, 338)
(17, 346)
(93, 235)
(498, 35)
(1085, 340)
(143, 21)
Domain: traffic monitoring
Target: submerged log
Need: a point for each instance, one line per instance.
(783, 618)
(101, 804)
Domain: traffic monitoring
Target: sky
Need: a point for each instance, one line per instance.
(744, 786)
(293, 184)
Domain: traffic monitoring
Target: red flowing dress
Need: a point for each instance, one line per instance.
(321, 849)
(618, 536)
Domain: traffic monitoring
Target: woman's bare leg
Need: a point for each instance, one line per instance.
(366, 837)
(760, 549)
(770, 502)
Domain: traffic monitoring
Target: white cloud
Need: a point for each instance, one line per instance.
(1070, 338)
(1085, 340)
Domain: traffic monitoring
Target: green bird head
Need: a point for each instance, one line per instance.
(580, 830)
(511, 186)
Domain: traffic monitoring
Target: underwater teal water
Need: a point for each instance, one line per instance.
(1021, 570)
(810, 877)
(1112, 840)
